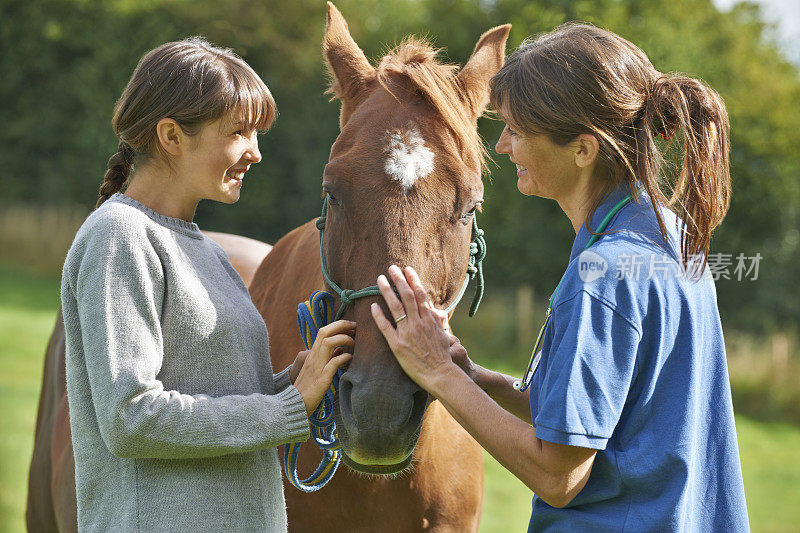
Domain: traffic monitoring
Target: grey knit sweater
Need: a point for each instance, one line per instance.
(175, 412)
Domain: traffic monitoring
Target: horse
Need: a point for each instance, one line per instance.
(401, 186)
(402, 182)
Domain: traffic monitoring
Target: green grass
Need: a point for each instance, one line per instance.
(28, 306)
(506, 500)
(769, 464)
(771, 473)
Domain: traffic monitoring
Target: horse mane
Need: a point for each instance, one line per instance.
(416, 60)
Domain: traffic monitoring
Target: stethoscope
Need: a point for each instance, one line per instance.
(536, 353)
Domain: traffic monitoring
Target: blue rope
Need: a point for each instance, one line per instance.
(311, 316)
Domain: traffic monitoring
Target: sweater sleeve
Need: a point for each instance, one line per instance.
(116, 286)
(282, 379)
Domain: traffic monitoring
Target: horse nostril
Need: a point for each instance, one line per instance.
(345, 403)
(418, 405)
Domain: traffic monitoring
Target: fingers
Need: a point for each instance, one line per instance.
(457, 351)
(386, 328)
(340, 326)
(333, 365)
(413, 296)
(424, 303)
(407, 296)
(394, 305)
(330, 339)
(328, 345)
(321, 362)
(419, 291)
(443, 317)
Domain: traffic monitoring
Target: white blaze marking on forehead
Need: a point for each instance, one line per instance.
(408, 158)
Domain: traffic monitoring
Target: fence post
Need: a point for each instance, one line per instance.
(780, 353)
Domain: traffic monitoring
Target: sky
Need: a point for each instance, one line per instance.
(785, 14)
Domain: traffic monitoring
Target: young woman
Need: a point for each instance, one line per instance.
(174, 410)
(628, 423)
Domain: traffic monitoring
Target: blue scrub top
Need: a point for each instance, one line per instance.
(633, 365)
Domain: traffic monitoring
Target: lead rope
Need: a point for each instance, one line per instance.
(314, 314)
(311, 316)
(477, 253)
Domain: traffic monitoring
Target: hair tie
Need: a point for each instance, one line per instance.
(666, 122)
(127, 152)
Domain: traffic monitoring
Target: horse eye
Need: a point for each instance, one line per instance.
(332, 200)
(469, 214)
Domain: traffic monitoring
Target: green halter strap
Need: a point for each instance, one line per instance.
(477, 252)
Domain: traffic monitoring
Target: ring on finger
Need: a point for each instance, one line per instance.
(397, 320)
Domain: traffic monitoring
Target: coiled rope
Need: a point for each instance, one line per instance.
(311, 316)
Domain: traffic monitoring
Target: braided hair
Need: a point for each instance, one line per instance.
(119, 170)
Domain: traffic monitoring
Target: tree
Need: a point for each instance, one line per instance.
(65, 62)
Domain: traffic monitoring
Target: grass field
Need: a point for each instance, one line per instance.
(28, 306)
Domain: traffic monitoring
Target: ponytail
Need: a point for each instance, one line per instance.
(119, 170)
(582, 79)
(701, 194)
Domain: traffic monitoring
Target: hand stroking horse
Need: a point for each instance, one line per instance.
(402, 186)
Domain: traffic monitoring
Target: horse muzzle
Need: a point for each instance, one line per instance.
(378, 420)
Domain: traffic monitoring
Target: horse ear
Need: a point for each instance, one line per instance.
(485, 62)
(347, 64)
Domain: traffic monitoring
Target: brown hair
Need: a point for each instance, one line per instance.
(191, 82)
(582, 79)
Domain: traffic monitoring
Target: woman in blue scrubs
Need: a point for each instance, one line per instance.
(623, 421)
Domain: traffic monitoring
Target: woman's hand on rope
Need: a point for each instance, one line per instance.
(297, 365)
(418, 339)
(322, 360)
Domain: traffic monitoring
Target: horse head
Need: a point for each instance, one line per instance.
(402, 186)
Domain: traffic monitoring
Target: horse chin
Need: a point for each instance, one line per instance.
(378, 470)
(366, 459)
(384, 463)
(378, 438)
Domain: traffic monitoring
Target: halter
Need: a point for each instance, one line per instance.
(477, 252)
(314, 314)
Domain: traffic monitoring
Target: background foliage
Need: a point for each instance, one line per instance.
(64, 63)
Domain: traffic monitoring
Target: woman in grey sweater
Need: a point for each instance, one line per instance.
(174, 409)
